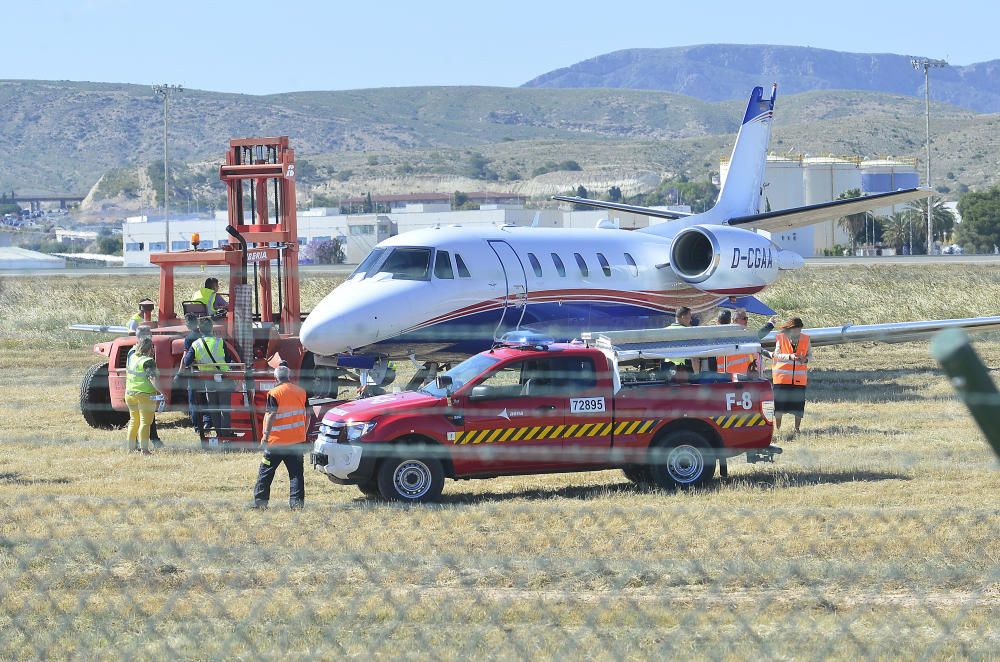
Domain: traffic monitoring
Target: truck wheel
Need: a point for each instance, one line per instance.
(682, 459)
(637, 474)
(410, 479)
(95, 400)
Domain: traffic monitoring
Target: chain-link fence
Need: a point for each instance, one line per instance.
(580, 573)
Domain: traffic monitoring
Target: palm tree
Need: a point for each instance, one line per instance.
(853, 224)
(942, 217)
(895, 231)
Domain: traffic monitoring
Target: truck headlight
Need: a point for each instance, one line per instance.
(357, 430)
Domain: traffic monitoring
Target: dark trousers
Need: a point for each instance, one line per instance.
(296, 480)
(217, 405)
(194, 400)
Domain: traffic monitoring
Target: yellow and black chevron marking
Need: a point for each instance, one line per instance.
(547, 432)
(740, 421)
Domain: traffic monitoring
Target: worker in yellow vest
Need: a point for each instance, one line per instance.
(137, 320)
(208, 356)
(286, 425)
(209, 295)
(683, 318)
(141, 394)
(790, 371)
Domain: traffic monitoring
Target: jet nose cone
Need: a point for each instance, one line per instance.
(316, 334)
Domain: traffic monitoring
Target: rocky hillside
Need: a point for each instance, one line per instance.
(715, 72)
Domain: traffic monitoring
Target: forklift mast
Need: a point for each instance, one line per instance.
(260, 182)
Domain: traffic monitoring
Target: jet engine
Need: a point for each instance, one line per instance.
(726, 260)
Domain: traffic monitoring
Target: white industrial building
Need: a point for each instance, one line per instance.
(795, 181)
(361, 232)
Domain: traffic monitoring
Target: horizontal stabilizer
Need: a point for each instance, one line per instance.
(749, 304)
(678, 342)
(617, 206)
(888, 333)
(788, 219)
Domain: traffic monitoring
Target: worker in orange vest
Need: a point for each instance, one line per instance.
(743, 364)
(285, 426)
(790, 371)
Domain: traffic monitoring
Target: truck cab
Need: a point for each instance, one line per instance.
(540, 407)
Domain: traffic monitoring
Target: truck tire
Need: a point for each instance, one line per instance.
(370, 489)
(95, 400)
(638, 474)
(683, 459)
(410, 479)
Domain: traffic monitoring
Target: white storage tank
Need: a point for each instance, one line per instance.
(783, 189)
(824, 179)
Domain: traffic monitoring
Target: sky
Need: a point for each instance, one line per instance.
(257, 47)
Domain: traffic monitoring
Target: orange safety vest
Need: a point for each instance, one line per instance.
(735, 364)
(288, 424)
(792, 372)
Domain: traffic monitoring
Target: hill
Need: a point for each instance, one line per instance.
(68, 137)
(716, 72)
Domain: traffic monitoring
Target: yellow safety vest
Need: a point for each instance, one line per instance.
(210, 355)
(676, 361)
(206, 295)
(136, 380)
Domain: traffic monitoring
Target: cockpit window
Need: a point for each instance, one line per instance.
(408, 264)
(368, 264)
(442, 265)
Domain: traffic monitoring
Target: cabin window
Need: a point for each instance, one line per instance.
(408, 264)
(560, 267)
(632, 265)
(368, 264)
(605, 267)
(442, 265)
(463, 271)
(580, 262)
(536, 266)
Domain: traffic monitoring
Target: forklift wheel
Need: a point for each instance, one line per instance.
(95, 400)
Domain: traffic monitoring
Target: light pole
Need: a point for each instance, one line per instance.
(165, 91)
(927, 64)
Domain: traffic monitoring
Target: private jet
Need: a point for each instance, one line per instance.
(442, 294)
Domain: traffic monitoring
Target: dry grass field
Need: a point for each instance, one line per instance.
(875, 535)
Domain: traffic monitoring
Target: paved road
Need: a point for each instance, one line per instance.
(902, 259)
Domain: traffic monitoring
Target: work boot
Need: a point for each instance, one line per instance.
(258, 504)
(296, 505)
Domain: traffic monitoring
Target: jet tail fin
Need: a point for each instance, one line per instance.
(740, 195)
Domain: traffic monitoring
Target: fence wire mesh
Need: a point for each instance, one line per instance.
(874, 535)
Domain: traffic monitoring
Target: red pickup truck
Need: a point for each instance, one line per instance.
(543, 409)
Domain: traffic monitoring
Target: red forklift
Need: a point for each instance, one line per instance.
(263, 317)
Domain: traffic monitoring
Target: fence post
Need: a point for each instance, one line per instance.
(971, 379)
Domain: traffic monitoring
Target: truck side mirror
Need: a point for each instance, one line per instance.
(445, 383)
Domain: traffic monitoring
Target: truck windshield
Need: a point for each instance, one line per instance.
(460, 375)
(368, 264)
(408, 264)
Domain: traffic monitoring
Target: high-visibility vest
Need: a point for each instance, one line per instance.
(210, 354)
(735, 364)
(288, 424)
(136, 380)
(206, 295)
(792, 372)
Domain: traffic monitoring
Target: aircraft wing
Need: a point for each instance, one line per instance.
(100, 328)
(617, 206)
(787, 219)
(888, 333)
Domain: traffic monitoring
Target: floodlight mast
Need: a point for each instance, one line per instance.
(927, 64)
(165, 91)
